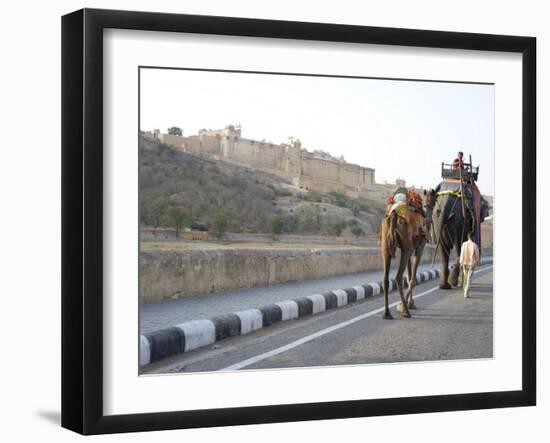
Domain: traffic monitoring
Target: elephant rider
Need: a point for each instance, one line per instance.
(458, 162)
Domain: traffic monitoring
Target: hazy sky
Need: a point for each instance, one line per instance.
(403, 129)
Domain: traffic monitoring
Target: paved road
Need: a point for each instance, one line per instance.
(445, 326)
(154, 316)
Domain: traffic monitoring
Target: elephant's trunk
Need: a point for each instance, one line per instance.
(444, 215)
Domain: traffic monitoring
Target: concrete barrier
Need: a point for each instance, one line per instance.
(176, 274)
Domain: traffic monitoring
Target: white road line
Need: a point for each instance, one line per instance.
(301, 341)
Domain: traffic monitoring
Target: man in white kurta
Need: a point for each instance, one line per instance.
(469, 258)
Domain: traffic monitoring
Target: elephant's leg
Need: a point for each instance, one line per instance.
(403, 309)
(444, 276)
(455, 269)
(385, 284)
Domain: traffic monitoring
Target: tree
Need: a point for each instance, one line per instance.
(290, 223)
(144, 214)
(337, 228)
(163, 147)
(276, 224)
(176, 218)
(174, 130)
(219, 224)
(339, 198)
(157, 211)
(357, 231)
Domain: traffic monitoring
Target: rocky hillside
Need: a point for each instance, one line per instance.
(181, 189)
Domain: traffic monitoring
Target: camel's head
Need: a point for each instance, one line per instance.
(429, 202)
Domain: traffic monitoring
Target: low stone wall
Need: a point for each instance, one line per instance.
(365, 240)
(147, 233)
(176, 274)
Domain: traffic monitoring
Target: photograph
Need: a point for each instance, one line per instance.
(274, 221)
(297, 220)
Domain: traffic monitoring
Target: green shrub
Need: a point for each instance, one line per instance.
(219, 224)
(337, 228)
(357, 231)
(279, 223)
(176, 218)
(174, 130)
(283, 193)
(276, 224)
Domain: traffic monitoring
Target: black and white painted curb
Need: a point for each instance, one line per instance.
(195, 334)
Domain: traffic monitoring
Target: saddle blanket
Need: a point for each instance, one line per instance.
(416, 223)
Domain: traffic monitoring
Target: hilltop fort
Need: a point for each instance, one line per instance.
(309, 170)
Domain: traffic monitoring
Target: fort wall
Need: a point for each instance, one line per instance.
(172, 140)
(315, 170)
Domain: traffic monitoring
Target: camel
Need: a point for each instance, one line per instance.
(418, 244)
(394, 233)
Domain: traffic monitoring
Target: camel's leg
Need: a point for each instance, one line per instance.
(444, 276)
(403, 309)
(411, 281)
(385, 284)
(409, 273)
(415, 259)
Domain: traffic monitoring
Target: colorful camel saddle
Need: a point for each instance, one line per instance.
(408, 206)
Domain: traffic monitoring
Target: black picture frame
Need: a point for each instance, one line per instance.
(82, 218)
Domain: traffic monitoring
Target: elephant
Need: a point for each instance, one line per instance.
(451, 221)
